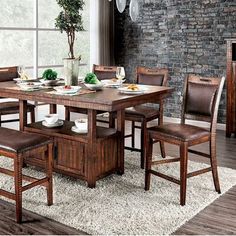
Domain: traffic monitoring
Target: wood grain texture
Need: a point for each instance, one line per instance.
(217, 218)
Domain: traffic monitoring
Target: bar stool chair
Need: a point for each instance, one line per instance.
(12, 107)
(17, 145)
(201, 102)
(145, 113)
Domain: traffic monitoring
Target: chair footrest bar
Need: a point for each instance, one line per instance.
(35, 183)
(198, 172)
(170, 178)
(133, 149)
(199, 153)
(165, 161)
(11, 173)
(7, 121)
(7, 194)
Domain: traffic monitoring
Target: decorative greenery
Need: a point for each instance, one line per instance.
(49, 74)
(91, 78)
(70, 20)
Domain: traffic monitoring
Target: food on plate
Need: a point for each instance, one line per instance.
(133, 87)
(29, 83)
(67, 87)
(49, 74)
(114, 80)
(91, 78)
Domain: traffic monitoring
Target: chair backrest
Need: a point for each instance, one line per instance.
(152, 76)
(202, 98)
(8, 73)
(104, 72)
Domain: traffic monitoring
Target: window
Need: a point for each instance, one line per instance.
(28, 37)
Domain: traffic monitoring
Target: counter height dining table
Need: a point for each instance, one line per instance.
(88, 156)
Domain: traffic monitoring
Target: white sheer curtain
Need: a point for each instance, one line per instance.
(101, 32)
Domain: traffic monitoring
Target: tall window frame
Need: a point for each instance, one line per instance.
(36, 29)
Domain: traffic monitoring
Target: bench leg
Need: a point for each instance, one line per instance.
(18, 186)
(49, 174)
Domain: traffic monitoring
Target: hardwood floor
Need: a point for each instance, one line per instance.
(217, 218)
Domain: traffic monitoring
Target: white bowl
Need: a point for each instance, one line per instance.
(49, 82)
(94, 86)
(51, 118)
(81, 124)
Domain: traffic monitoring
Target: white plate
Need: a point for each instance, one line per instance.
(57, 124)
(29, 85)
(49, 82)
(19, 80)
(129, 91)
(63, 90)
(94, 86)
(112, 83)
(79, 131)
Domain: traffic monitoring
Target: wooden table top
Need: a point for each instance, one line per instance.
(108, 99)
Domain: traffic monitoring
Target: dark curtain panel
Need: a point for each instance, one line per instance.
(106, 32)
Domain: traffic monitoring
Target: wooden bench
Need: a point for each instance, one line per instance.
(17, 145)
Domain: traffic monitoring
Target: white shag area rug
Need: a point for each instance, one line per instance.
(119, 204)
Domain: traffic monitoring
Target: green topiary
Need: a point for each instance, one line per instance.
(49, 74)
(70, 20)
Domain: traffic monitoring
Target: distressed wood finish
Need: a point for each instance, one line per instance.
(89, 158)
(8, 74)
(102, 72)
(18, 176)
(140, 117)
(218, 218)
(184, 144)
(231, 88)
(107, 99)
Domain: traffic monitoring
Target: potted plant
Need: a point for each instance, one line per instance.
(70, 21)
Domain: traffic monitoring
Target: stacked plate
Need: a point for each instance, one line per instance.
(70, 90)
(30, 86)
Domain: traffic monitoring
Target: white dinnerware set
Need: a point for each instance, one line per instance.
(52, 121)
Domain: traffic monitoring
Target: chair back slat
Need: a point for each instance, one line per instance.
(8, 73)
(152, 76)
(201, 98)
(104, 72)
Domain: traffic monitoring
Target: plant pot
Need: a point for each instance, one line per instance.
(71, 71)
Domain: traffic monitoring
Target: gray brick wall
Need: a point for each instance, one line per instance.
(186, 36)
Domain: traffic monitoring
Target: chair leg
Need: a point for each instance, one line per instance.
(132, 134)
(143, 141)
(49, 160)
(111, 120)
(67, 114)
(148, 157)
(32, 116)
(162, 148)
(214, 164)
(183, 172)
(18, 187)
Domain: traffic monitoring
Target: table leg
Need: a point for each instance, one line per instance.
(121, 144)
(23, 114)
(53, 108)
(92, 144)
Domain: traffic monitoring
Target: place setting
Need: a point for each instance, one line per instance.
(52, 121)
(81, 126)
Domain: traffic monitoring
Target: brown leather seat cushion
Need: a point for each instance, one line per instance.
(142, 111)
(178, 131)
(17, 141)
(12, 107)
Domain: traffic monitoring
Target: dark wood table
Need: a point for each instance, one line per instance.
(108, 99)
